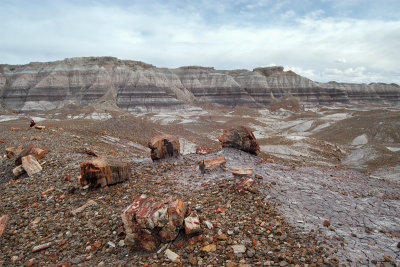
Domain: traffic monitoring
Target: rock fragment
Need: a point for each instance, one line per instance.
(192, 225)
(244, 185)
(84, 206)
(243, 172)
(172, 256)
(3, 221)
(164, 146)
(240, 138)
(13, 151)
(212, 164)
(41, 247)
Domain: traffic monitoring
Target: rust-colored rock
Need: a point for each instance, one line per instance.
(202, 151)
(164, 146)
(244, 185)
(102, 172)
(243, 172)
(148, 222)
(31, 165)
(3, 221)
(212, 164)
(240, 138)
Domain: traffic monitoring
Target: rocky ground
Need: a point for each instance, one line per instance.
(295, 214)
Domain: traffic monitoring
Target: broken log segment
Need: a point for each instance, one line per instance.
(164, 146)
(244, 185)
(102, 172)
(31, 165)
(243, 172)
(212, 164)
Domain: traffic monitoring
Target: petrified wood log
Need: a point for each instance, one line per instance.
(149, 222)
(240, 138)
(212, 164)
(38, 153)
(164, 146)
(31, 165)
(243, 172)
(244, 185)
(102, 172)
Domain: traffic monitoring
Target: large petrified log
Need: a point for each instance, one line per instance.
(149, 222)
(102, 172)
(164, 146)
(240, 138)
(212, 164)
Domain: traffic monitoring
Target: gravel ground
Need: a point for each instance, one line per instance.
(280, 223)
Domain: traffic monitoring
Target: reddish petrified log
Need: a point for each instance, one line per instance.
(13, 151)
(148, 222)
(240, 138)
(212, 164)
(102, 172)
(164, 146)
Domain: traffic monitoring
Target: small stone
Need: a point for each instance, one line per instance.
(121, 243)
(327, 223)
(172, 256)
(239, 249)
(283, 263)
(250, 253)
(68, 234)
(209, 225)
(230, 232)
(209, 248)
(111, 244)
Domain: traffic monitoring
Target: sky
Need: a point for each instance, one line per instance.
(326, 40)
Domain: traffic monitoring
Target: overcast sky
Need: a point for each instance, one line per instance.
(341, 40)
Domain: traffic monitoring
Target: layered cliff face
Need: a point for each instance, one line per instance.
(136, 86)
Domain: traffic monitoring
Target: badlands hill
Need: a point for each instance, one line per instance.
(137, 86)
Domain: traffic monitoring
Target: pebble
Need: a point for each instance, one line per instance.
(68, 234)
(250, 253)
(239, 249)
(121, 243)
(209, 225)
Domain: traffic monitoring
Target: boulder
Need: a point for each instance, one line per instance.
(164, 146)
(212, 164)
(149, 222)
(102, 172)
(240, 138)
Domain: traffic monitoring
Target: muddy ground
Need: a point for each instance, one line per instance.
(338, 164)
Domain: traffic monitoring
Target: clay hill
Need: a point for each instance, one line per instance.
(137, 86)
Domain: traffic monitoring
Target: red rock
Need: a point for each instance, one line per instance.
(195, 239)
(96, 245)
(147, 222)
(102, 172)
(37, 138)
(212, 164)
(240, 138)
(244, 185)
(327, 223)
(30, 165)
(3, 221)
(15, 129)
(243, 172)
(164, 146)
(40, 127)
(1, 142)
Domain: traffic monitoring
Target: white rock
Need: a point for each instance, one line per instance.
(172, 256)
(209, 225)
(239, 249)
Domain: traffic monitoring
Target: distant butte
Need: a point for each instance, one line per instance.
(136, 86)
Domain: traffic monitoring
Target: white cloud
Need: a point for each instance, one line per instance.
(312, 46)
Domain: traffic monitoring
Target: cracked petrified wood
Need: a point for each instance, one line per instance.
(240, 138)
(212, 164)
(102, 172)
(31, 149)
(149, 222)
(164, 146)
(31, 165)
